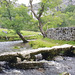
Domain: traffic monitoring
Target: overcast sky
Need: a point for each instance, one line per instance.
(27, 1)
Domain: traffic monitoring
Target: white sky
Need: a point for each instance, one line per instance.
(27, 1)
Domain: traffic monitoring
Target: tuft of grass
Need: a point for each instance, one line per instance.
(16, 47)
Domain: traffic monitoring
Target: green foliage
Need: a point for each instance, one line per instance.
(68, 17)
(51, 21)
(50, 3)
(33, 26)
(46, 42)
(12, 36)
(40, 43)
(70, 8)
(16, 47)
(12, 17)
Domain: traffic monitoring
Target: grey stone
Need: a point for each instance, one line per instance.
(64, 33)
(38, 57)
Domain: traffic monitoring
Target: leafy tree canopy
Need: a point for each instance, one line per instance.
(14, 17)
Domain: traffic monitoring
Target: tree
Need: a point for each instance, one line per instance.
(45, 5)
(14, 17)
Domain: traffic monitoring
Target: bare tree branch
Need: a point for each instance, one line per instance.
(32, 9)
(41, 11)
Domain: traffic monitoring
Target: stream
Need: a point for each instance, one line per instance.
(55, 68)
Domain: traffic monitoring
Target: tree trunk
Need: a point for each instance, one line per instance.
(21, 36)
(38, 17)
(41, 29)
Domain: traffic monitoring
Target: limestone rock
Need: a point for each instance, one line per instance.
(18, 59)
(38, 57)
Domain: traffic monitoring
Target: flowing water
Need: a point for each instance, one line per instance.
(53, 67)
(12, 46)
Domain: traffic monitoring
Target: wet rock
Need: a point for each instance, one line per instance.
(2, 65)
(65, 73)
(58, 58)
(27, 65)
(16, 72)
(1, 70)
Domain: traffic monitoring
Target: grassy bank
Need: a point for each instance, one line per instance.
(46, 42)
(10, 35)
(40, 41)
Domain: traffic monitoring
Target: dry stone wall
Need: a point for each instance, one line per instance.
(64, 33)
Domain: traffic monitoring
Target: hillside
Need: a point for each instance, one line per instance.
(63, 5)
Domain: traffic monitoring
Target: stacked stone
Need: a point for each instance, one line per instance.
(64, 33)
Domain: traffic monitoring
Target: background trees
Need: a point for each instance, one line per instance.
(68, 16)
(13, 17)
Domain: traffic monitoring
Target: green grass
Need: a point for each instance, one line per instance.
(13, 36)
(29, 33)
(46, 42)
